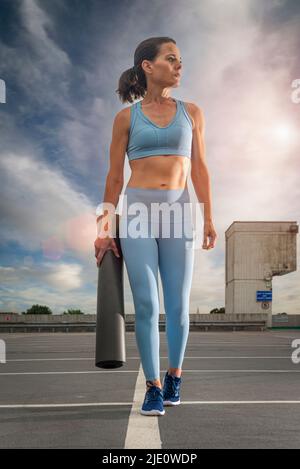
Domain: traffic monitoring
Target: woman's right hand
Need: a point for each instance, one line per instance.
(102, 245)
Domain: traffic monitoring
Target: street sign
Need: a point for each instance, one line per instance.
(263, 295)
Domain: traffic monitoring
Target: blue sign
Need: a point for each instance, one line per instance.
(263, 295)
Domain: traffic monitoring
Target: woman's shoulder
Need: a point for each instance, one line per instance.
(122, 118)
(193, 107)
(195, 111)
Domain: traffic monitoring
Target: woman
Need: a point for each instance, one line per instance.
(161, 136)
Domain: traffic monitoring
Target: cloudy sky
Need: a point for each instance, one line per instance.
(61, 61)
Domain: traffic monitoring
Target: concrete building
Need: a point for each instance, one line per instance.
(255, 252)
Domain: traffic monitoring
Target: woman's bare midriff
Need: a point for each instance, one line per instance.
(159, 172)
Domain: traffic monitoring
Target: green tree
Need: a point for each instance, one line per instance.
(73, 311)
(217, 311)
(38, 309)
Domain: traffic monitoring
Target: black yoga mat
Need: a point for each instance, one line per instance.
(110, 321)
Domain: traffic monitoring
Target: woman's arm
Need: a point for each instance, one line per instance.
(199, 171)
(200, 175)
(115, 176)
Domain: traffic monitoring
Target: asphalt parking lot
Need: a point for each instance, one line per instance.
(239, 390)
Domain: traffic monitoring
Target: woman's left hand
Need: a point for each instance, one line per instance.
(209, 232)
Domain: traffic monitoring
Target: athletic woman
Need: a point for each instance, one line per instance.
(162, 137)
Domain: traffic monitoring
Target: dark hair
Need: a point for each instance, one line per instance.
(132, 82)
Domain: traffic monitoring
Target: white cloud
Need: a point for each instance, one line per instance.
(38, 201)
(38, 24)
(59, 286)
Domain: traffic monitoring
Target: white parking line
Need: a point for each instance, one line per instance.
(142, 426)
(287, 336)
(238, 344)
(240, 402)
(142, 430)
(34, 346)
(136, 358)
(74, 404)
(135, 371)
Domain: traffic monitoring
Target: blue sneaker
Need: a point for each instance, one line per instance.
(153, 402)
(171, 390)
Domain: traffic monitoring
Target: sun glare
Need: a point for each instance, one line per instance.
(284, 133)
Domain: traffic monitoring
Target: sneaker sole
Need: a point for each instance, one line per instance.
(171, 403)
(153, 412)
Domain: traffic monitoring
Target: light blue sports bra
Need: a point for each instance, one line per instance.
(146, 138)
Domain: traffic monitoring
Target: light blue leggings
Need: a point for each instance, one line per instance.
(147, 250)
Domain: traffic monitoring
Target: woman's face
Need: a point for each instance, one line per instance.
(166, 69)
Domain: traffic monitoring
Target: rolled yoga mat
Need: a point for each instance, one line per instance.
(110, 320)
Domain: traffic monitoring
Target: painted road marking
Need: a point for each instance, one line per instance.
(143, 430)
(135, 358)
(134, 371)
(144, 421)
